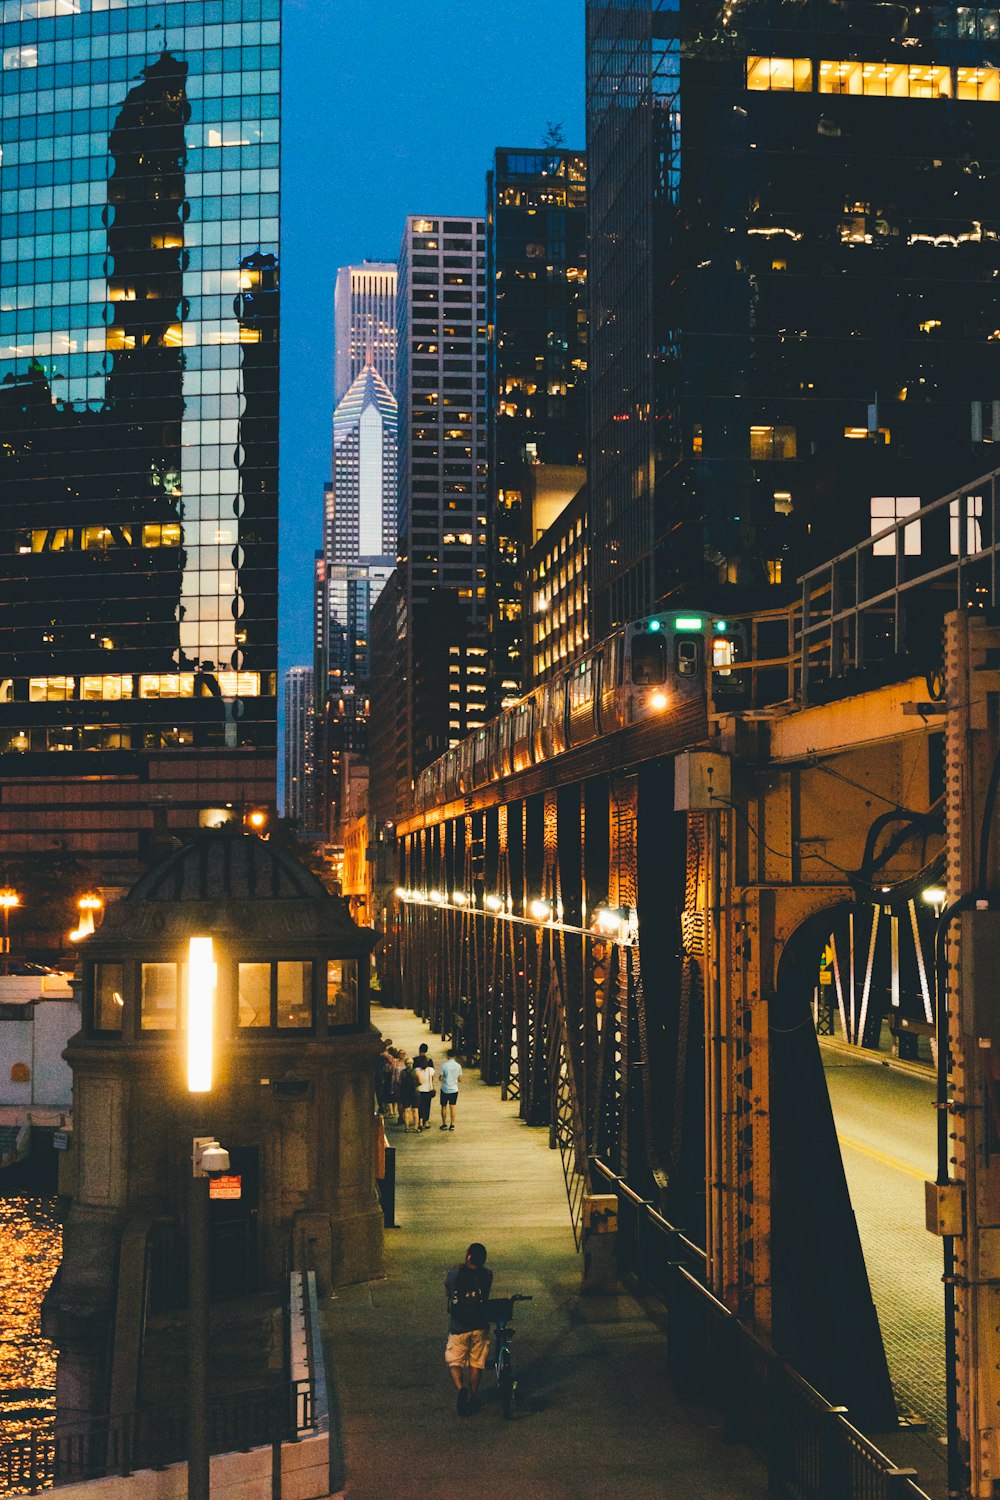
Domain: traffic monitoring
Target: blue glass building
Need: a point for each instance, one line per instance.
(138, 420)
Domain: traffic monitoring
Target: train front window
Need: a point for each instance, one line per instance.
(688, 655)
(649, 661)
(723, 656)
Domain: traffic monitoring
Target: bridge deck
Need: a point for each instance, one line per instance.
(598, 1416)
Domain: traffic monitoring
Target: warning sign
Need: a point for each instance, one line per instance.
(230, 1187)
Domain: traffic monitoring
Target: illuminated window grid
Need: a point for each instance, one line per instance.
(873, 79)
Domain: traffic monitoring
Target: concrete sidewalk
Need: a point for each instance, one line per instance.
(597, 1416)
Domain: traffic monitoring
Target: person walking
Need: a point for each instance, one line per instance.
(468, 1289)
(449, 1074)
(424, 1067)
(408, 1096)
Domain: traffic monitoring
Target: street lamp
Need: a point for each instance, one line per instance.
(936, 896)
(207, 1158)
(8, 900)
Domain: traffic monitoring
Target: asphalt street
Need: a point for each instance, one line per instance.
(885, 1120)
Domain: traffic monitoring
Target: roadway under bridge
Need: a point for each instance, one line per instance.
(670, 947)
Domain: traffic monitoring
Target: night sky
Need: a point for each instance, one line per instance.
(389, 107)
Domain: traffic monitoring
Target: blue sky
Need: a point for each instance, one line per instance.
(390, 107)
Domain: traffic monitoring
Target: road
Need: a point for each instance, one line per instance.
(885, 1121)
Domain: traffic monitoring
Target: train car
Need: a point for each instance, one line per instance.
(522, 732)
(549, 736)
(673, 658)
(661, 662)
(582, 690)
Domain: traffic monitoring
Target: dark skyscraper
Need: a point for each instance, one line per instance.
(441, 390)
(794, 246)
(138, 424)
(537, 320)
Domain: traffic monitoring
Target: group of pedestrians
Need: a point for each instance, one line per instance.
(405, 1087)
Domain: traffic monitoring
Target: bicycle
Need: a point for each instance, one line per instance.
(501, 1310)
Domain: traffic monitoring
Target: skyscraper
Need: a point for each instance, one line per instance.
(793, 244)
(441, 386)
(138, 421)
(537, 319)
(364, 318)
(298, 746)
(359, 554)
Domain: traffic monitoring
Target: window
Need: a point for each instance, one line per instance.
(649, 660)
(779, 73)
(898, 80)
(254, 995)
(108, 993)
(985, 421)
(885, 509)
(294, 993)
(50, 689)
(977, 83)
(342, 991)
(973, 510)
(160, 997)
(275, 995)
(773, 442)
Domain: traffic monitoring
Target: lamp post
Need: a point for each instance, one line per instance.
(8, 900)
(207, 1156)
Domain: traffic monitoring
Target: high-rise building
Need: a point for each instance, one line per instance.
(359, 554)
(298, 747)
(364, 316)
(138, 422)
(793, 254)
(441, 387)
(537, 319)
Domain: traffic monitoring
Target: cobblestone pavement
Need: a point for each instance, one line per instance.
(598, 1417)
(885, 1121)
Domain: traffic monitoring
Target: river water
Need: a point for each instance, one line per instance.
(30, 1250)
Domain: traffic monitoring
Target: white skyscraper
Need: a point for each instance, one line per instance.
(364, 323)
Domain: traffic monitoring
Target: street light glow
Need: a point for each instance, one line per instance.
(201, 1008)
(934, 895)
(8, 900)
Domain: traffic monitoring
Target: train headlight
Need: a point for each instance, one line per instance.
(658, 701)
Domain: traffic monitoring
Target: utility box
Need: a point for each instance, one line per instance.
(599, 1242)
(702, 781)
(943, 1207)
(979, 1009)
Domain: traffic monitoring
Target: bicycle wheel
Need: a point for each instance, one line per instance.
(506, 1385)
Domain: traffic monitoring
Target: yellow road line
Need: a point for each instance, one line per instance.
(882, 1156)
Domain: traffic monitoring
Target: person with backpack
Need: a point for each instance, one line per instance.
(468, 1289)
(408, 1096)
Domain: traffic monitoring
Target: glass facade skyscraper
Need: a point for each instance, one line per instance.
(794, 244)
(536, 259)
(138, 415)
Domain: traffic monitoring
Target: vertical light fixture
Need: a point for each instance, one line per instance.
(201, 1011)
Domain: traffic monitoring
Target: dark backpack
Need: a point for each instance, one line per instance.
(468, 1300)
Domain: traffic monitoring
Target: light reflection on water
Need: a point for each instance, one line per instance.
(30, 1251)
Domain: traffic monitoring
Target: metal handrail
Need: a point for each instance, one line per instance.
(839, 628)
(811, 1448)
(154, 1438)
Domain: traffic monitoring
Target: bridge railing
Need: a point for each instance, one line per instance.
(810, 1448)
(855, 609)
(154, 1438)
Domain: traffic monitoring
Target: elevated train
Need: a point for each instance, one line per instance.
(638, 673)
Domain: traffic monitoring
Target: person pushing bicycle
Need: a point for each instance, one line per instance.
(468, 1289)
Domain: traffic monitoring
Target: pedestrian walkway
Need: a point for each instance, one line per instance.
(598, 1417)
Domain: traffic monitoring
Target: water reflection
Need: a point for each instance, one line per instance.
(30, 1251)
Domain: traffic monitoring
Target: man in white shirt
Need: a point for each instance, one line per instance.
(448, 1075)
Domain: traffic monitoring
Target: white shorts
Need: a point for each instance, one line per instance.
(468, 1348)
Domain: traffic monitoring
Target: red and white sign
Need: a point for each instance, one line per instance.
(230, 1187)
